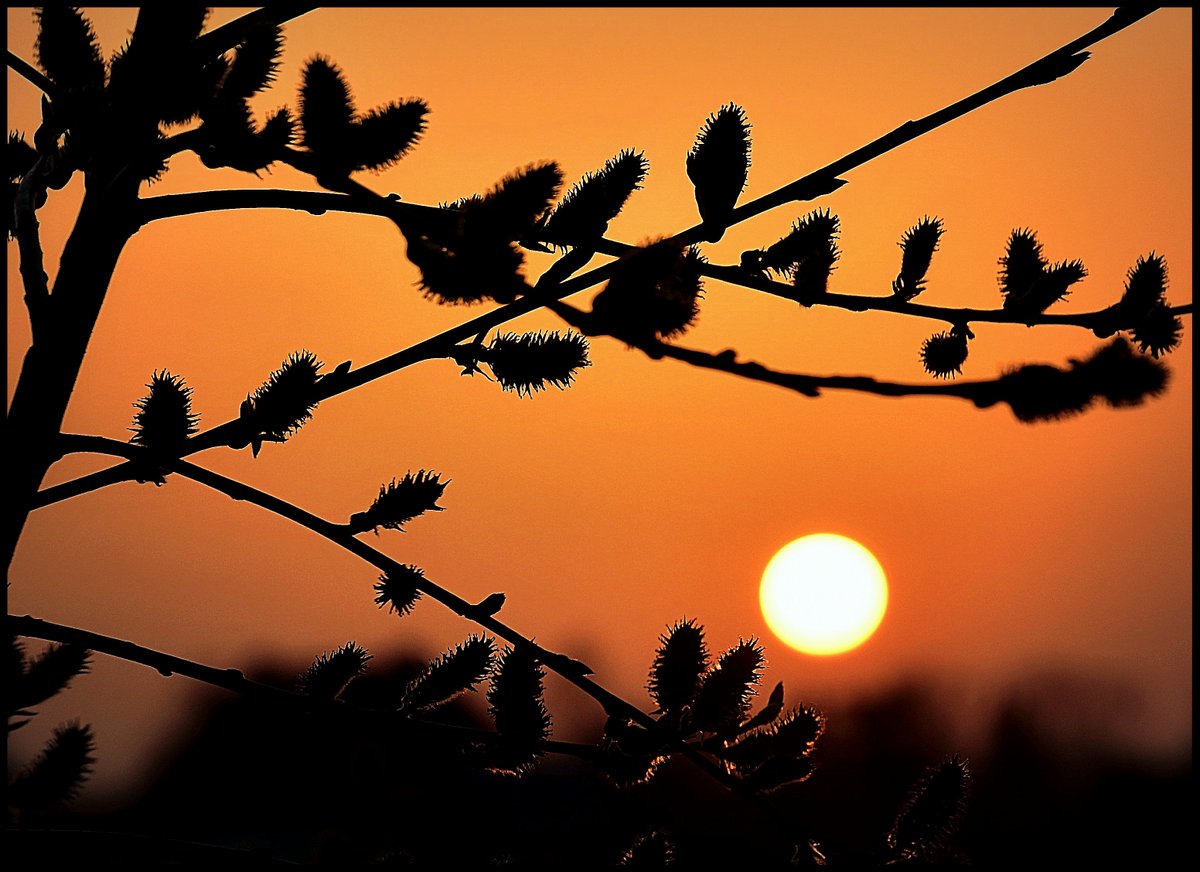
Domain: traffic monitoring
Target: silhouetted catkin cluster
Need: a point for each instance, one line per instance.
(57, 773)
(113, 121)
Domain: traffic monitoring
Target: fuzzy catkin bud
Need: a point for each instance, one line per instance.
(681, 659)
(401, 501)
(933, 810)
(793, 736)
(515, 702)
(811, 247)
(654, 292)
(516, 203)
(1040, 392)
(1115, 373)
(67, 49)
(653, 850)
(1027, 281)
(49, 674)
(451, 675)
(1120, 376)
(525, 363)
(1055, 283)
(58, 772)
(595, 200)
(398, 588)
(326, 107)
(1020, 267)
(1145, 287)
(718, 165)
(255, 62)
(725, 690)
(475, 256)
(917, 246)
(382, 136)
(164, 418)
(943, 354)
(624, 768)
(286, 401)
(330, 673)
(1159, 332)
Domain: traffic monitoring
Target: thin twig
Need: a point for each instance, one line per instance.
(233, 680)
(166, 664)
(808, 385)
(312, 202)
(982, 393)
(437, 346)
(116, 474)
(568, 668)
(1101, 320)
(1058, 63)
(228, 35)
(31, 74)
(318, 203)
(215, 41)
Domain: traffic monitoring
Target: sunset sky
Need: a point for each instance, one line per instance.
(650, 490)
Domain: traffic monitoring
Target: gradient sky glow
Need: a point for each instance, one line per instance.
(652, 491)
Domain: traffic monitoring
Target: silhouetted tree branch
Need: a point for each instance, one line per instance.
(228, 35)
(29, 247)
(234, 681)
(30, 73)
(568, 668)
(469, 252)
(1101, 321)
(1033, 391)
(572, 670)
(1058, 63)
(318, 203)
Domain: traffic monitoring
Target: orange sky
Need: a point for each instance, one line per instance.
(650, 490)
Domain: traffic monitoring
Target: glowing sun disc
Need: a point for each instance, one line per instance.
(823, 594)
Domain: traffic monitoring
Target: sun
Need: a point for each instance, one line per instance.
(823, 594)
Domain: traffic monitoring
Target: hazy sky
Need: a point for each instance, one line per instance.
(651, 491)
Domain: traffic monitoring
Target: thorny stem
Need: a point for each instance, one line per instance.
(233, 680)
(572, 670)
